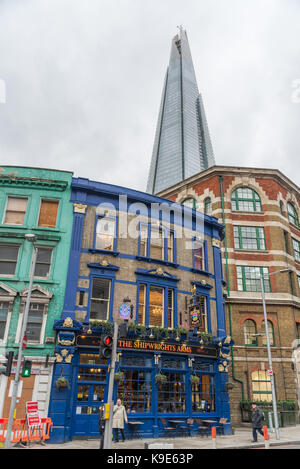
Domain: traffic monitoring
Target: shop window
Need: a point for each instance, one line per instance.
(100, 299)
(296, 249)
(8, 259)
(135, 361)
(172, 395)
(292, 214)
(86, 373)
(207, 206)
(15, 210)
(48, 213)
(248, 278)
(43, 262)
(270, 331)
(105, 233)
(261, 386)
(161, 303)
(203, 394)
(245, 199)
(249, 330)
(135, 391)
(249, 237)
(4, 306)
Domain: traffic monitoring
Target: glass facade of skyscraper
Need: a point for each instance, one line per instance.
(182, 145)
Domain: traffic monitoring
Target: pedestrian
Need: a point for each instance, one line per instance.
(257, 421)
(119, 416)
(101, 422)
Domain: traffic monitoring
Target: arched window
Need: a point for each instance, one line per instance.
(249, 330)
(207, 206)
(192, 203)
(292, 214)
(261, 386)
(270, 331)
(245, 199)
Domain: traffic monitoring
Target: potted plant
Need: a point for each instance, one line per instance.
(62, 383)
(160, 378)
(195, 379)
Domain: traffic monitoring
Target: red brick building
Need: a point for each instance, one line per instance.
(260, 210)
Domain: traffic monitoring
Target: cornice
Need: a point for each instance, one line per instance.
(37, 183)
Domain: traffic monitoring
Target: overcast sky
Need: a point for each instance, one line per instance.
(84, 81)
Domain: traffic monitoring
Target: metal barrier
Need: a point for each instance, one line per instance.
(22, 433)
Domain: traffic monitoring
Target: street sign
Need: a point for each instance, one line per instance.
(270, 372)
(24, 343)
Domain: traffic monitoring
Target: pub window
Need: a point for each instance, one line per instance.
(135, 391)
(156, 306)
(43, 262)
(161, 245)
(4, 305)
(203, 394)
(172, 395)
(261, 386)
(157, 243)
(142, 304)
(15, 210)
(100, 299)
(8, 259)
(105, 233)
(170, 308)
(35, 322)
(48, 213)
(198, 254)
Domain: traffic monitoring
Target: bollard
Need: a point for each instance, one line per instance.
(266, 437)
(213, 436)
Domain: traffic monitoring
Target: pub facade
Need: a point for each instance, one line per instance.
(140, 259)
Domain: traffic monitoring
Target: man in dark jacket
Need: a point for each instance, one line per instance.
(257, 421)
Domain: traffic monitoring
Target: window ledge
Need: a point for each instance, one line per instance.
(156, 261)
(247, 213)
(263, 251)
(103, 251)
(202, 272)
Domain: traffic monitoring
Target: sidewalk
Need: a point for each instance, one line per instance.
(240, 440)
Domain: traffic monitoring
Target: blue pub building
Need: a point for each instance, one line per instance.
(139, 258)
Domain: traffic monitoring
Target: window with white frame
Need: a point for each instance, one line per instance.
(8, 259)
(105, 233)
(161, 243)
(100, 299)
(35, 322)
(198, 252)
(4, 308)
(43, 262)
(15, 210)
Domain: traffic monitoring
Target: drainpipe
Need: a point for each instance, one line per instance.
(228, 290)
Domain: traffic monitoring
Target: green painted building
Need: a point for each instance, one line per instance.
(32, 200)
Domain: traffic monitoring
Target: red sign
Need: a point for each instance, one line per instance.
(270, 372)
(24, 343)
(32, 414)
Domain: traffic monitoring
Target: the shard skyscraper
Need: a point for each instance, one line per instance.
(182, 145)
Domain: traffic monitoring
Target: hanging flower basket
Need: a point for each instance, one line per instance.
(195, 379)
(62, 382)
(229, 386)
(119, 377)
(160, 378)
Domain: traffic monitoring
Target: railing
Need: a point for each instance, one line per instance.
(21, 431)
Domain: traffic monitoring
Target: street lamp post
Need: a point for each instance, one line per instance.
(31, 238)
(269, 350)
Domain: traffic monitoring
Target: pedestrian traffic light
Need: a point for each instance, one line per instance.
(6, 367)
(106, 346)
(26, 370)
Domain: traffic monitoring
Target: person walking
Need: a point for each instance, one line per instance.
(119, 416)
(101, 422)
(257, 421)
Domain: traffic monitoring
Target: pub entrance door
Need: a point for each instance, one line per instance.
(90, 392)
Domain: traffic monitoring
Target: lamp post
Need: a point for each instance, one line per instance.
(31, 238)
(269, 349)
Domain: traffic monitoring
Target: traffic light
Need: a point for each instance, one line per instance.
(26, 370)
(106, 346)
(6, 367)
